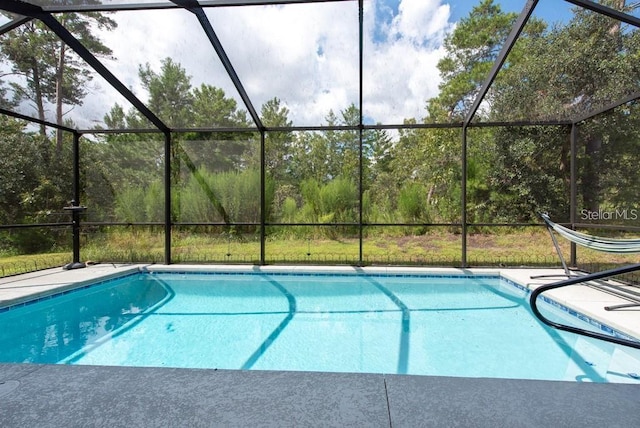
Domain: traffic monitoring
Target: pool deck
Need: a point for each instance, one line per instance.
(88, 396)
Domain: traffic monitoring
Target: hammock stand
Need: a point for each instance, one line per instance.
(598, 243)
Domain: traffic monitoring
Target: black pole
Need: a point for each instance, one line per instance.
(263, 197)
(573, 209)
(463, 201)
(167, 198)
(75, 207)
(360, 134)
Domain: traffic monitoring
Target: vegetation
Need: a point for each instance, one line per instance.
(333, 177)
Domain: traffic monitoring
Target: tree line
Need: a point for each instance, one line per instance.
(334, 176)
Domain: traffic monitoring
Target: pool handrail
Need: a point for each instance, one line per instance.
(578, 280)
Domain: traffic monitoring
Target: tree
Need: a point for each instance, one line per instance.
(19, 169)
(170, 96)
(52, 76)
(431, 157)
(310, 158)
(568, 72)
(378, 181)
(471, 52)
(53, 73)
(212, 108)
(278, 144)
(179, 105)
(194, 154)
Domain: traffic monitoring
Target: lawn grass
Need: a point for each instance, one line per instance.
(510, 248)
(17, 264)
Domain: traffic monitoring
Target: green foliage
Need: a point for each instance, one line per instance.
(339, 199)
(432, 158)
(471, 51)
(289, 210)
(237, 194)
(278, 145)
(312, 207)
(154, 202)
(52, 73)
(412, 203)
(530, 178)
(512, 173)
(130, 205)
(31, 241)
(170, 94)
(19, 169)
(34, 187)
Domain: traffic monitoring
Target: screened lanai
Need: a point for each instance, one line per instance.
(405, 132)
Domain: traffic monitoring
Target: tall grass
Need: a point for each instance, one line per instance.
(512, 248)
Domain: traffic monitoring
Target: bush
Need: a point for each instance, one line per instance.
(130, 205)
(339, 199)
(412, 203)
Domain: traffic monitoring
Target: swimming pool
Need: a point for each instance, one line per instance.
(421, 324)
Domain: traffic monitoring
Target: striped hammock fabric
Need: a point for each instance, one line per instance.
(599, 243)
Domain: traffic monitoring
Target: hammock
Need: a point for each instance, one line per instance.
(598, 243)
(594, 242)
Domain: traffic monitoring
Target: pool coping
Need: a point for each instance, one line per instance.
(44, 284)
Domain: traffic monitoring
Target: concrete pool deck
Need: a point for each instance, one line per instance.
(73, 396)
(90, 396)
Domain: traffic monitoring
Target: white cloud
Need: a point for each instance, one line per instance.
(401, 71)
(421, 21)
(304, 54)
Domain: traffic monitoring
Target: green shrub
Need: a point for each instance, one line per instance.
(412, 203)
(339, 199)
(130, 205)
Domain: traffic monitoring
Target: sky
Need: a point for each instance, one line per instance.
(549, 10)
(304, 54)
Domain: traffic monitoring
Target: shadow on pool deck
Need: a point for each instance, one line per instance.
(89, 396)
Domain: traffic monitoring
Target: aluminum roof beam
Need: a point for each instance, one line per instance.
(21, 8)
(12, 25)
(65, 8)
(502, 56)
(632, 97)
(34, 120)
(29, 10)
(194, 7)
(605, 10)
(324, 128)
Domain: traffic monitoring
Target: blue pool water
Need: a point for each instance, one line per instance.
(424, 325)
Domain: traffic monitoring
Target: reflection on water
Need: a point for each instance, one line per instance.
(49, 333)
